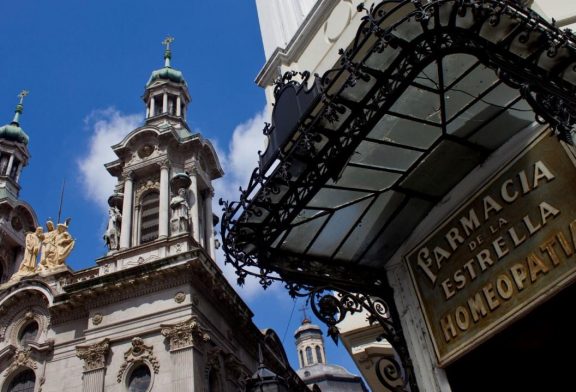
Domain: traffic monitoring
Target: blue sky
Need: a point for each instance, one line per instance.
(85, 64)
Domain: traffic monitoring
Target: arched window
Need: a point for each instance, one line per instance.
(309, 359)
(319, 354)
(139, 379)
(149, 217)
(14, 170)
(29, 332)
(302, 364)
(23, 382)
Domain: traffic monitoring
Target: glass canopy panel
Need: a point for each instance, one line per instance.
(358, 90)
(418, 103)
(365, 179)
(396, 232)
(307, 214)
(406, 132)
(384, 156)
(382, 60)
(409, 30)
(370, 225)
(455, 65)
(300, 236)
(429, 76)
(443, 168)
(468, 89)
(335, 231)
(482, 111)
(334, 198)
(503, 127)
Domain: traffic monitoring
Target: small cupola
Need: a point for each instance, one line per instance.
(13, 131)
(166, 91)
(14, 153)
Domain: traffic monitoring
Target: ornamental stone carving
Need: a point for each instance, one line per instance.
(139, 352)
(21, 358)
(97, 318)
(179, 297)
(94, 356)
(185, 334)
(145, 186)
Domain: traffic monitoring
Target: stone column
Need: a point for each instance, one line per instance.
(178, 104)
(94, 357)
(186, 346)
(10, 163)
(152, 107)
(163, 214)
(209, 226)
(194, 208)
(125, 230)
(165, 103)
(18, 172)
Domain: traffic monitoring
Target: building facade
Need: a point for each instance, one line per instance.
(419, 158)
(155, 313)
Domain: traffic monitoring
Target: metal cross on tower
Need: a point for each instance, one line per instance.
(167, 41)
(22, 94)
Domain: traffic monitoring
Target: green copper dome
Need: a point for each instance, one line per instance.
(166, 73)
(14, 133)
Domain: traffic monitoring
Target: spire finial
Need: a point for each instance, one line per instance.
(305, 319)
(167, 53)
(20, 106)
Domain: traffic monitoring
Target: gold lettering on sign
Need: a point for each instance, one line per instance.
(493, 259)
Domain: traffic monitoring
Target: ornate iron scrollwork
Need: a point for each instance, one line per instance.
(331, 306)
(252, 227)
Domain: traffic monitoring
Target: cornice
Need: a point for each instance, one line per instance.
(193, 267)
(319, 13)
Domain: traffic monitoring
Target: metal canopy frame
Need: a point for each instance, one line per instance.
(385, 74)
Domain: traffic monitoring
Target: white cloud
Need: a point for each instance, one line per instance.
(108, 127)
(238, 159)
(238, 162)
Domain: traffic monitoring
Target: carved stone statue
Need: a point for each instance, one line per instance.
(56, 246)
(48, 255)
(180, 212)
(64, 244)
(31, 250)
(112, 234)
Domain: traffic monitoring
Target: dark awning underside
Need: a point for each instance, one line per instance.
(423, 95)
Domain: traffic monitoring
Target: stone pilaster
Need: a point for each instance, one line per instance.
(94, 357)
(186, 344)
(164, 200)
(195, 206)
(210, 246)
(126, 229)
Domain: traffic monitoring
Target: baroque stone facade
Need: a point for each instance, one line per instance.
(154, 313)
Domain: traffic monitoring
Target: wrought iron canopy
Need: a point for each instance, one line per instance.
(424, 93)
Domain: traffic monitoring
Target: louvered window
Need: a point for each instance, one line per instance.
(149, 217)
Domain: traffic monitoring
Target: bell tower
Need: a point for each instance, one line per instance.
(16, 217)
(166, 95)
(309, 344)
(162, 203)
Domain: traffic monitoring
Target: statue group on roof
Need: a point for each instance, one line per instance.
(46, 251)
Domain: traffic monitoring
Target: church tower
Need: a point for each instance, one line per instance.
(313, 367)
(309, 344)
(156, 312)
(16, 217)
(165, 172)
